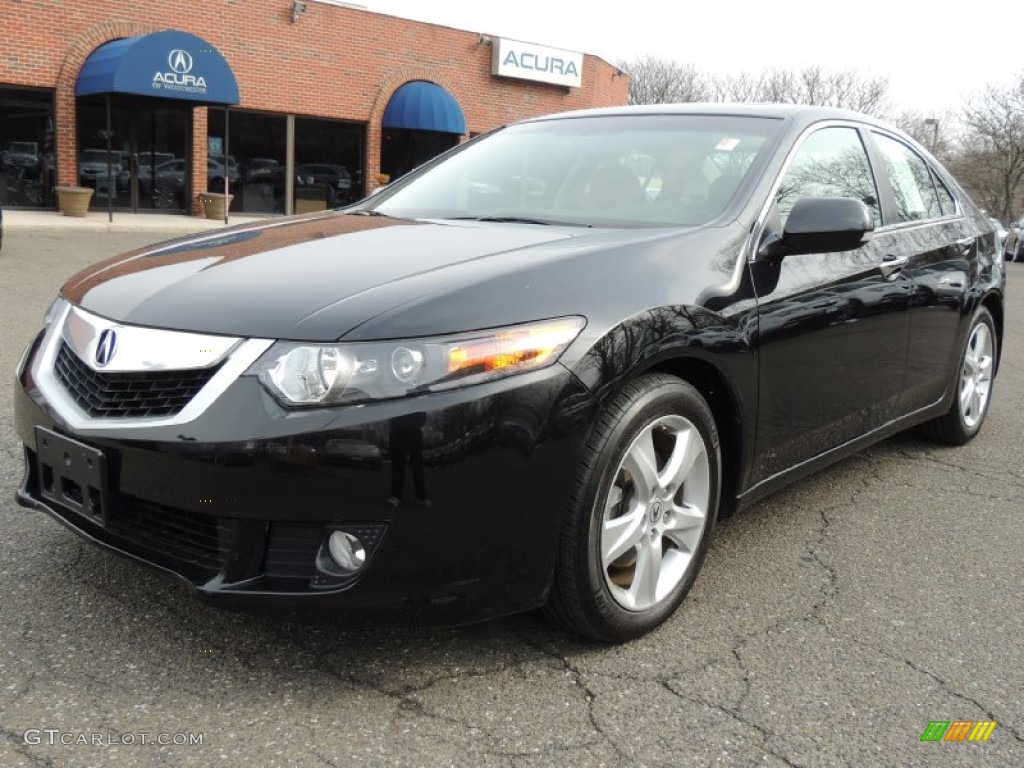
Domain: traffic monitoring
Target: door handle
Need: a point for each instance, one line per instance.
(892, 264)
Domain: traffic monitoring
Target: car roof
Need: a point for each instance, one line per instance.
(798, 113)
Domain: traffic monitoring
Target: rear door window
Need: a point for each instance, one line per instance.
(912, 186)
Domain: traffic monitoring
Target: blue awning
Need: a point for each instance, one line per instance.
(422, 106)
(169, 65)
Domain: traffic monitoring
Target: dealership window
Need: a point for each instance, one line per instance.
(27, 170)
(326, 161)
(258, 150)
(404, 150)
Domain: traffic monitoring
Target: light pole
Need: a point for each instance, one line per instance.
(935, 132)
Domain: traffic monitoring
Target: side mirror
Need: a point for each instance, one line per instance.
(822, 225)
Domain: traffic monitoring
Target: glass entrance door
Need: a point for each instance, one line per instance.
(159, 162)
(147, 167)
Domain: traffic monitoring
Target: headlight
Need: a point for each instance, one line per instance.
(51, 314)
(54, 311)
(329, 374)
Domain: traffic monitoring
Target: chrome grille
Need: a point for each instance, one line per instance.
(132, 394)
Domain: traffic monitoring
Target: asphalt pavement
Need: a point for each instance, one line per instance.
(831, 623)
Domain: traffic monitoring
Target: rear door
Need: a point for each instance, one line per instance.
(938, 244)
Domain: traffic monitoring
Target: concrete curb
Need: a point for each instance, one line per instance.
(52, 221)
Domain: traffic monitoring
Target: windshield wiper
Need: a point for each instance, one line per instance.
(510, 219)
(507, 219)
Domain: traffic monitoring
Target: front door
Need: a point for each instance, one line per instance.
(833, 327)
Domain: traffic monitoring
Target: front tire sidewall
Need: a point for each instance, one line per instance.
(665, 399)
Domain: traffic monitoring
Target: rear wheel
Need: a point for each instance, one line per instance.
(642, 514)
(973, 385)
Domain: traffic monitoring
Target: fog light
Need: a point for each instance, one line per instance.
(347, 552)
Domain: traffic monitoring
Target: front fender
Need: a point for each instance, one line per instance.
(714, 353)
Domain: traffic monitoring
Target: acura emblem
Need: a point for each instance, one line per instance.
(180, 61)
(655, 512)
(106, 347)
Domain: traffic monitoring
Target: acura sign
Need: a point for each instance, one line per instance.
(527, 61)
(179, 76)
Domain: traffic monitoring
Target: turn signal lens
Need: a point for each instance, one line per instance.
(511, 351)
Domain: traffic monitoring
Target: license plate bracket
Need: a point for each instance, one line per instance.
(72, 474)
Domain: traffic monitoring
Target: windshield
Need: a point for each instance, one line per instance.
(619, 171)
(24, 147)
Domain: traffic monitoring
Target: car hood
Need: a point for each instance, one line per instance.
(313, 277)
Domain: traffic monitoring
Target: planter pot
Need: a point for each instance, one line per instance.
(74, 201)
(215, 204)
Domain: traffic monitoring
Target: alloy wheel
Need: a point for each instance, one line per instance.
(655, 513)
(976, 375)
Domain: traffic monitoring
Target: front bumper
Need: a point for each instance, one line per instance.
(239, 501)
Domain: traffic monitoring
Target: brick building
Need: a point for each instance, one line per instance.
(294, 104)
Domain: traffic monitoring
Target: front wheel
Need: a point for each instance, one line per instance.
(641, 516)
(972, 383)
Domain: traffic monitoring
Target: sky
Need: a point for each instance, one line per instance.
(934, 58)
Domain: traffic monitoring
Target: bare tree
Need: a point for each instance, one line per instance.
(937, 134)
(982, 172)
(991, 158)
(810, 85)
(659, 81)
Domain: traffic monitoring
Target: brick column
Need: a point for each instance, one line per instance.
(200, 116)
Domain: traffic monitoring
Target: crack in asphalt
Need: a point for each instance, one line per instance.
(317, 754)
(406, 701)
(580, 680)
(828, 591)
(832, 589)
(945, 685)
(733, 713)
(411, 705)
(23, 688)
(962, 491)
(930, 456)
(17, 741)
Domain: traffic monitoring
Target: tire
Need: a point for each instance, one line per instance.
(635, 534)
(972, 385)
(164, 196)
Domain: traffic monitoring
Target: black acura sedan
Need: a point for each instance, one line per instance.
(534, 372)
